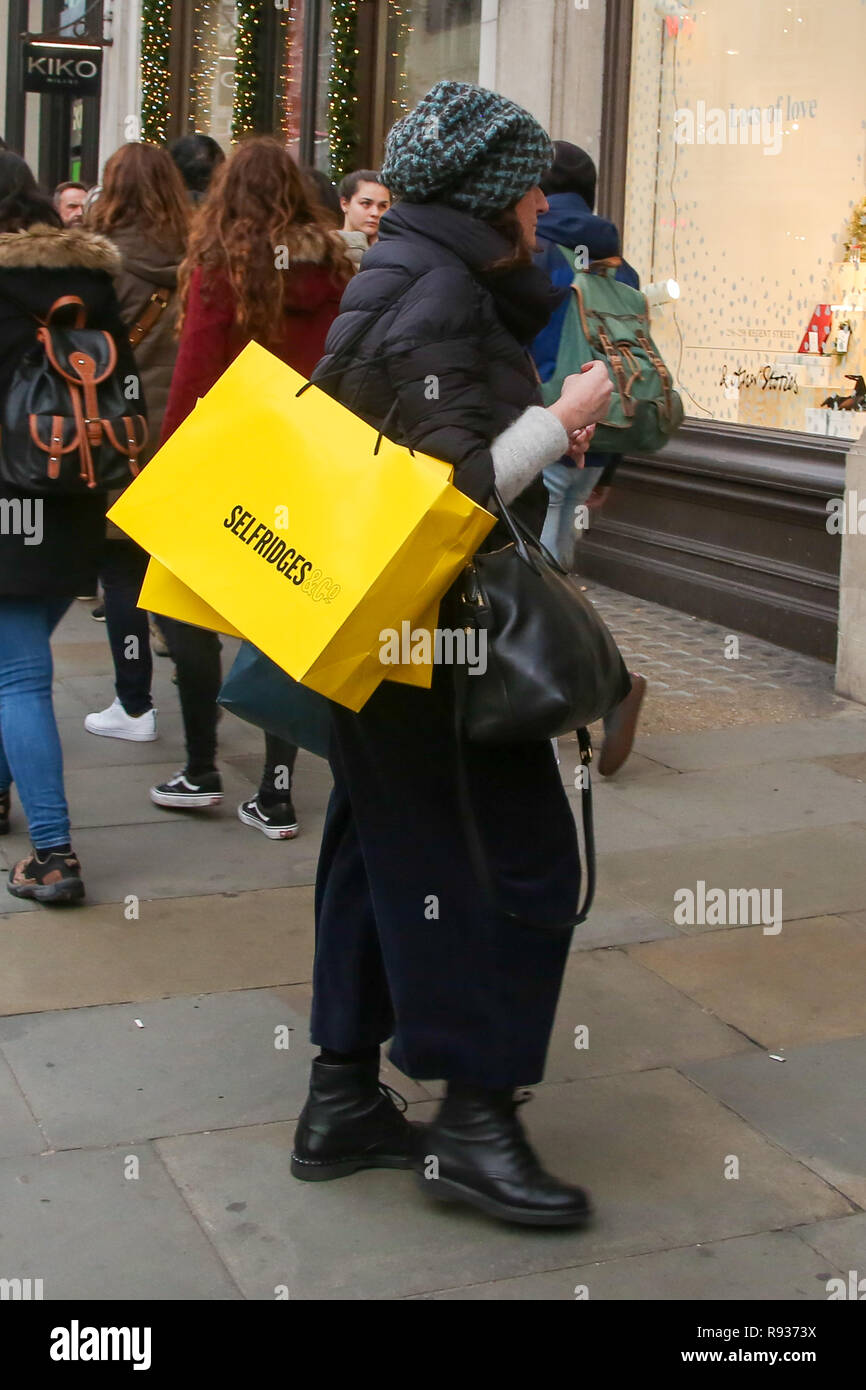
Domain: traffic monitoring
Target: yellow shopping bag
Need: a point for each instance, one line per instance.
(272, 508)
(162, 592)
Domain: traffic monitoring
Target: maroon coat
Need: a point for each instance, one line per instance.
(211, 338)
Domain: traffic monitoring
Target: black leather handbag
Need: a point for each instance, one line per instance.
(552, 667)
(552, 663)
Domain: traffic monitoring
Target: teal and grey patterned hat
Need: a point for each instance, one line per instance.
(468, 147)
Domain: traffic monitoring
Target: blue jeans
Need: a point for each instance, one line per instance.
(567, 488)
(30, 752)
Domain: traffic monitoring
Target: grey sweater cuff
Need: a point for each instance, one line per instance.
(536, 439)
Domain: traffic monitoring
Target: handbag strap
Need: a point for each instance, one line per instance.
(475, 843)
(151, 315)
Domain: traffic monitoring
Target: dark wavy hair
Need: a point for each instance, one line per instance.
(22, 201)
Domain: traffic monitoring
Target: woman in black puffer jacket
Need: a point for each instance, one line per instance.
(43, 565)
(431, 344)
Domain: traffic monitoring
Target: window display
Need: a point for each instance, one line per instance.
(745, 186)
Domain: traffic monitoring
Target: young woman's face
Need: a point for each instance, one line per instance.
(528, 210)
(365, 209)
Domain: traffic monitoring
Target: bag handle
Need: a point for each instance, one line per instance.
(63, 303)
(475, 843)
(524, 538)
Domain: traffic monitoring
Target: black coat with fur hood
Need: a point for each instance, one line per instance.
(38, 266)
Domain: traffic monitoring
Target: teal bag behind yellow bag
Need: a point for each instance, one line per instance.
(258, 691)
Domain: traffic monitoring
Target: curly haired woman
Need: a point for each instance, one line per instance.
(262, 265)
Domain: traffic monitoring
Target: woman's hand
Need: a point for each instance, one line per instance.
(579, 443)
(584, 398)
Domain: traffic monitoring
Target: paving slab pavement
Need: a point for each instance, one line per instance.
(651, 1147)
(812, 1105)
(775, 1265)
(106, 1224)
(820, 872)
(174, 946)
(125, 1072)
(735, 788)
(792, 988)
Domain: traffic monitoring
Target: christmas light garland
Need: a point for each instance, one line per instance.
(155, 69)
(246, 70)
(400, 101)
(343, 138)
(205, 65)
(289, 98)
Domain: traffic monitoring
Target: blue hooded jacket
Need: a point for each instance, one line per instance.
(571, 222)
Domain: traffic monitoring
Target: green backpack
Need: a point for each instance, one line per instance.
(608, 322)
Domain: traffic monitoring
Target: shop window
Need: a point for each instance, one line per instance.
(745, 185)
(428, 40)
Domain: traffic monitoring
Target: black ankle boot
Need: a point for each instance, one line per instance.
(349, 1122)
(483, 1157)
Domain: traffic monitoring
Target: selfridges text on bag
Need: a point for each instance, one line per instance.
(67, 426)
(609, 322)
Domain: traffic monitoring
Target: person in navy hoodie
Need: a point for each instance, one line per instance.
(570, 221)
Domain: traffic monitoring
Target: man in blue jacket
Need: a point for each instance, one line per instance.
(570, 221)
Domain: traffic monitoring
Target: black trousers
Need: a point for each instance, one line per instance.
(121, 570)
(196, 655)
(407, 943)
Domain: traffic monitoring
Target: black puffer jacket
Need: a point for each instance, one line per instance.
(426, 332)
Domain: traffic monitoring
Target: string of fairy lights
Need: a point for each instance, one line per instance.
(343, 132)
(249, 17)
(205, 64)
(400, 100)
(155, 69)
(343, 136)
(288, 85)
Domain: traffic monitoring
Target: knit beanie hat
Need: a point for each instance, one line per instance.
(468, 147)
(572, 171)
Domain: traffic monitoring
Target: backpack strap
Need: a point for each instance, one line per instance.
(615, 360)
(132, 447)
(54, 448)
(153, 311)
(663, 373)
(64, 303)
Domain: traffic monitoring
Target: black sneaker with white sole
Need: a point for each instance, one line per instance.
(277, 822)
(184, 791)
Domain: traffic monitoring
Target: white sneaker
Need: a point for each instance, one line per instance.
(114, 722)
